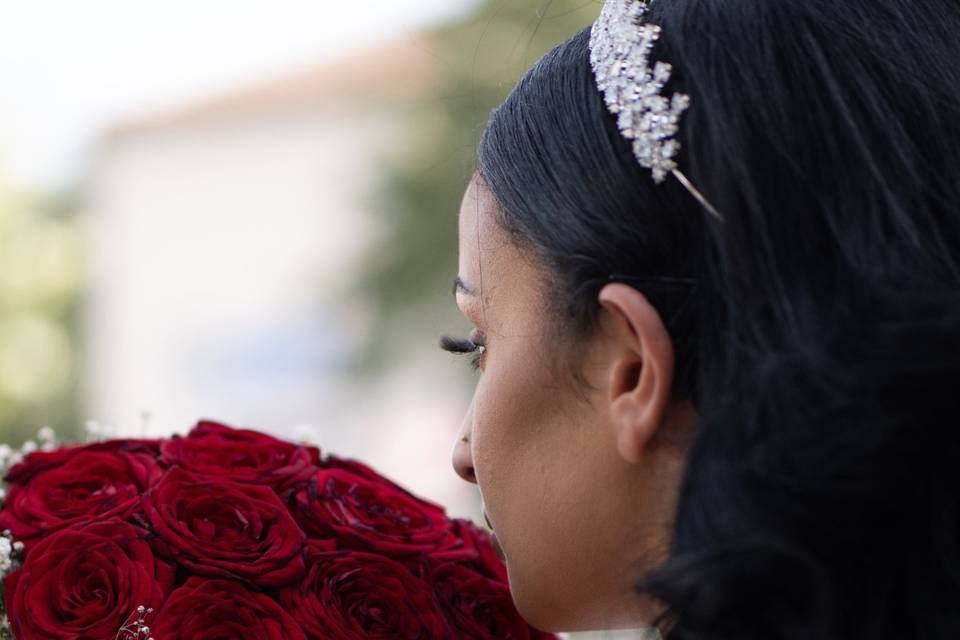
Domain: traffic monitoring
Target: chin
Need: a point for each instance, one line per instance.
(538, 609)
(537, 617)
(544, 608)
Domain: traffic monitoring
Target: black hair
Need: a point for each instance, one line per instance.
(821, 343)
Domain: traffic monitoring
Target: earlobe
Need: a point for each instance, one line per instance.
(641, 371)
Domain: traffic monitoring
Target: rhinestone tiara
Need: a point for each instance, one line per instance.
(620, 46)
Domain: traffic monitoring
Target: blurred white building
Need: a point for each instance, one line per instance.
(222, 236)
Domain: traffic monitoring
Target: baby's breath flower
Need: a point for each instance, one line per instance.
(47, 438)
(135, 628)
(11, 554)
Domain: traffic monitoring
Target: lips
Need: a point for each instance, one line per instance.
(497, 547)
(493, 538)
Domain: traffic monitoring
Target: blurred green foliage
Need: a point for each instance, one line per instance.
(40, 281)
(481, 57)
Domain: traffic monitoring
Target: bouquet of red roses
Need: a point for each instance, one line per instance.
(228, 533)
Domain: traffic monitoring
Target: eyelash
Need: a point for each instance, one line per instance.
(466, 346)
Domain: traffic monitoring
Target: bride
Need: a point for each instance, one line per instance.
(711, 253)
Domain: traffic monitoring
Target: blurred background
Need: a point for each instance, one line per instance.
(246, 211)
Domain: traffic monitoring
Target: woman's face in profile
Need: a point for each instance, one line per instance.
(578, 524)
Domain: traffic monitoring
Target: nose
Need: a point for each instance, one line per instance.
(462, 452)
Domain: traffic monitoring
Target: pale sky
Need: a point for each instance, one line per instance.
(69, 68)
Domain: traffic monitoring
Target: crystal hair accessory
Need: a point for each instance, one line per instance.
(620, 46)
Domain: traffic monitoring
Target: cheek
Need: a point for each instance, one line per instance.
(522, 453)
(540, 455)
(511, 431)
(498, 448)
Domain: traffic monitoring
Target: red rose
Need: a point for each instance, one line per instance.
(204, 609)
(84, 583)
(369, 516)
(218, 528)
(477, 606)
(241, 455)
(149, 446)
(53, 490)
(472, 547)
(358, 468)
(351, 595)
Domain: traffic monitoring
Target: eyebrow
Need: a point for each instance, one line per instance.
(460, 286)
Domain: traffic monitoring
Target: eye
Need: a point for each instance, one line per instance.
(475, 345)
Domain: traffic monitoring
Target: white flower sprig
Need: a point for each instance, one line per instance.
(10, 457)
(11, 557)
(11, 551)
(135, 628)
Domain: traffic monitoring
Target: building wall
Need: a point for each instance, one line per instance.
(220, 251)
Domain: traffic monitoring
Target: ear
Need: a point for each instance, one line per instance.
(641, 369)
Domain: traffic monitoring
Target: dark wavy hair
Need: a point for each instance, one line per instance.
(821, 339)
